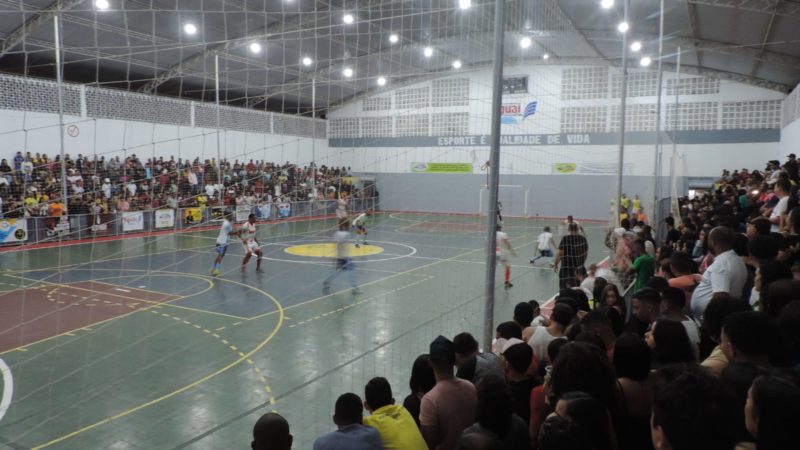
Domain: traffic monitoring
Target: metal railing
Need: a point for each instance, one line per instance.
(37, 230)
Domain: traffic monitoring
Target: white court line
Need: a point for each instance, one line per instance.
(8, 388)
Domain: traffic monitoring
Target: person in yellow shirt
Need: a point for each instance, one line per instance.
(625, 202)
(637, 204)
(202, 200)
(394, 423)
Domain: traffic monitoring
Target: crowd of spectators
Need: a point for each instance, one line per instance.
(31, 185)
(704, 356)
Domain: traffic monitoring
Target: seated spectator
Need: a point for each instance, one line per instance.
(749, 336)
(351, 434)
(539, 406)
(271, 432)
(590, 416)
(449, 407)
(670, 343)
(471, 362)
(695, 411)
(773, 406)
(646, 306)
(397, 428)
(632, 359)
(518, 359)
(560, 318)
(495, 414)
(559, 433)
(422, 380)
(725, 276)
(673, 302)
(713, 318)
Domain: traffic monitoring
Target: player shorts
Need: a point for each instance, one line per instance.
(501, 257)
(251, 247)
(547, 253)
(360, 229)
(221, 249)
(343, 264)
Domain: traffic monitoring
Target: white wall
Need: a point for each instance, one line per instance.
(39, 132)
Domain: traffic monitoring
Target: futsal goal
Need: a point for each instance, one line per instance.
(513, 200)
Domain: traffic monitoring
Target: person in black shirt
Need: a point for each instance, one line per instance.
(572, 252)
(518, 359)
(673, 235)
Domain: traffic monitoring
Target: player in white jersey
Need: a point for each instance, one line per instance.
(341, 210)
(225, 232)
(343, 261)
(251, 244)
(360, 227)
(545, 244)
(503, 246)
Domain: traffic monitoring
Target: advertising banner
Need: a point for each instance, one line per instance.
(165, 218)
(13, 230)
(242, 211)
(422, 167)
(100, 224)
(132, 221)
(192, 216)
(284, 210)
(264, 211)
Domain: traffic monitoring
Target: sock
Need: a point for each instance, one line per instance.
(508, 273)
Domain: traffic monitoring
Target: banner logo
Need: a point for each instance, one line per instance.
(511, 111)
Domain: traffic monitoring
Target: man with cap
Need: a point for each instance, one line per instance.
(450, 407)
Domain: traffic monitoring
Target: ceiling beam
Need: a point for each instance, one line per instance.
(21, 32)
(692, 12)
(783, 7)
(767, 33)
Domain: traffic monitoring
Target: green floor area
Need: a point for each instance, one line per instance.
(196, 372)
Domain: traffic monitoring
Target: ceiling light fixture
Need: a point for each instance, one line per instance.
(464, 4)
(428, 52)
(525, 42)
(307, 61)
(190, 28)
(101, 4)
(255, 47)
(546, 56)
(606, 4)
(456, 64)
(347, 72)
(381, 81)
(348, 18)
(645, 61)
(623, 27)
(636, 46)
(394, 38)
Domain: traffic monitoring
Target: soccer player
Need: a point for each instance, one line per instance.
(251, 244)
(503, 246)
(341, 210)
(546, 244)
(360, 226)
(225, 232)
(343, 262)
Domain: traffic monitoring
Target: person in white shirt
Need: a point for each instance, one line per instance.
(360, 227)
(343, 262)
(106, 188)
(251, 244)
(725, 277)
(225, 232)
(778, 215)
(503, 246)
(545, 245)
(673, 300)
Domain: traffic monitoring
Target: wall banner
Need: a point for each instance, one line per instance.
(264, 212)
(165, 218)
(422, 167)
(284, 210)
(242, 212)
(13, 230)
(192, 216)
(132, 221)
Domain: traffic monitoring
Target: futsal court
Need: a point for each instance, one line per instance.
(132, 344)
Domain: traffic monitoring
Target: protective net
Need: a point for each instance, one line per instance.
(131, 130)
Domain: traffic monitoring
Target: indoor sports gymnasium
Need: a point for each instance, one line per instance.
(219, 216)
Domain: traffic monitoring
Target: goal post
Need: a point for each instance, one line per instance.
(512, 197)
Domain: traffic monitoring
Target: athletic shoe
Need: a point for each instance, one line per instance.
(533, 260)
(259, 270)
(216, 272)
(508, 285)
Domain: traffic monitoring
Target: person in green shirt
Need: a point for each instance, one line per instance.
(394, 423)
(644, 265)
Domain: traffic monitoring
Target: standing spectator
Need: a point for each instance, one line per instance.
(560, 319)
(495, 415)
(644, 266)
(590, 415)
(777, 216)
(396, 427)
(422, 380)
(771, 412)
(449, 407)
(713, 319)
(724, 277)
(673, 235)
(632, 365)
(749, 336)
(350, 433)
(684, 278)
(572, 252)
(518, 359)
(271, 432)
(669, 343)
(672, 306)
(646, 305)
(471, 362)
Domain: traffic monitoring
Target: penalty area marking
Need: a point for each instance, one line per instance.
(8, 388)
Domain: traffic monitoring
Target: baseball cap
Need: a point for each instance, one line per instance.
(791, 155)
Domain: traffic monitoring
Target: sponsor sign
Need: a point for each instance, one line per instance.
(132, 221)
(13, 230)
(165, 218)
(422, 167)
(284, 210)
(264, 212)
(100, 224)
(242, 212)
(192, 216)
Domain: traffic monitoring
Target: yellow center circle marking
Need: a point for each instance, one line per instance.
(328, 250)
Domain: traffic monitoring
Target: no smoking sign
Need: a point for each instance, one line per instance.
(73, 131)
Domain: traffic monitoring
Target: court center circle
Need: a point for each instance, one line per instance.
(328, 250)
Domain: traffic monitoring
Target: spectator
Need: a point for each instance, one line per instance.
(523, 314)
(518, 359)
(789, 325)
(610, 297)
(351, 434)
(572, 252)
(397, 428)
(559, 433)
(773, 405)
(560, 319)
(632, 359)
(584, 367)
(713, 318)
(589, 415)
(271, 432)
(673, 303)
(504, 332)
(495, 414)
(670, 343)
(479, 441)
(449, 407)
(695, 411)
(471, 362)
(749, 336)
(422, 380)
(539, 407)
(725, 276)
(777, 217)
(673, 235)
(646, 306)
(644, 265)
(684, 277)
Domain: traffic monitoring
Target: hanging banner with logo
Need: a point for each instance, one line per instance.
(100, 224)
(242, 212)
(56, 227)
(284, 210)
(264, 212)
(422, 167)
(192, 216)
(132, 221)
(13, 230)
(165, 218)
